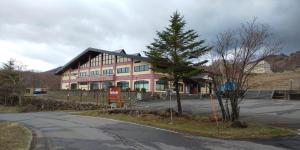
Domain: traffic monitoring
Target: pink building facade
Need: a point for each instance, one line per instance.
(100, 69)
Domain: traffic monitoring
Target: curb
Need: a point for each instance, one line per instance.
(30, 139)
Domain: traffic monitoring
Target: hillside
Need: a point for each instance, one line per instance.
(282, 62)
(52, 71)
(281, 81)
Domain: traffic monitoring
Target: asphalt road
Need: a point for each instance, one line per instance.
(58, 130)
(283, 113)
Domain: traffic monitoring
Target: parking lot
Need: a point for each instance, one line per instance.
(284, 113)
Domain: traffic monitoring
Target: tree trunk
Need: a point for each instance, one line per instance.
(221, 104)
(20, 101)
(178, 98)
(234, 109)
(224, 116)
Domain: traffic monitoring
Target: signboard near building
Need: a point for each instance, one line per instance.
(114, 97)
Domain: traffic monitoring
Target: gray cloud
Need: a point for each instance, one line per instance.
(57, 30)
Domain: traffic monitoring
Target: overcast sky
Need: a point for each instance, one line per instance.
(44, 34)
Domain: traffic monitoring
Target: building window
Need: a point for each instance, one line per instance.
(96, 61)
(161, 85)
(83, 83)
(123, 85)
(141, 68)
(83, 74)
(66, 74)
(121, 59)
(95, 73)
(107, 59)
(74, 74)
(27, 91)
(73, 86)
(141, 84)
(108, 72)
(85, 65)
(180, 87)
(94, 85)
(106, 84)
(123, 70)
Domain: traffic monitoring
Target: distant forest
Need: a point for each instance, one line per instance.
(282, 62)
(42, 79)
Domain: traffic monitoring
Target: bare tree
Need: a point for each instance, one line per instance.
(235, 55)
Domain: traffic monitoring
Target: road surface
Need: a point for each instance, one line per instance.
(59, 130)
(283, 113)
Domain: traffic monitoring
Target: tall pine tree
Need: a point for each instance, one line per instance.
(175, 52)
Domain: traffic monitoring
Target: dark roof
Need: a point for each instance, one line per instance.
(84, 56)
(198, 76)
(136, 54)
(120, 51)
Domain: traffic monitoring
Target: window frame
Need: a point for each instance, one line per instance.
(123, 88)
(143, 82)
(123, 70)
(163, 84)
(141, 68)
(107, 72)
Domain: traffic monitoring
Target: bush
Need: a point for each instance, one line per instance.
(52, 105)
(29, 108)
(9, 100)
(127, 90)
(143, 90)
(238, 124)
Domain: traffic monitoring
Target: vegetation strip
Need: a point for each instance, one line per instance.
(14, 136)
(197, 126)
(8, 109)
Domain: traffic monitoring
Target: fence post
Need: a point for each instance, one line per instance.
(102, 97)
(97, 98)
(80, 96)
(68, 95)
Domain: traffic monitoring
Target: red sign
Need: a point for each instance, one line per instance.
(114, 93)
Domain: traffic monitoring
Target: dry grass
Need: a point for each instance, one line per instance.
(8, 109)
(279, 81)
(198, 126)
(14, 136)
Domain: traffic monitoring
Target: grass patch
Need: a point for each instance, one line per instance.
(8, 109)
(14, 136)
(199, 125)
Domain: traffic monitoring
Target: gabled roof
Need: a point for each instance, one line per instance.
(122, 51)
(84, 56)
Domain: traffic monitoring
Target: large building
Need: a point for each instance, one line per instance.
(262, 67)
(100, 69)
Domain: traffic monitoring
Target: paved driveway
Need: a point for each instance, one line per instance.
(57, 130)
(278, 112)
